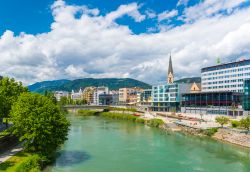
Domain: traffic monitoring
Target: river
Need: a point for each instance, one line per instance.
(96, 144)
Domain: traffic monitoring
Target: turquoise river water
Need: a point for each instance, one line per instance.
(96, 144)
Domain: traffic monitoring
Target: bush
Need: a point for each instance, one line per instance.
(155, 122)
(122, 109)
(85, 112)
(140, 120)
(235, 123)
(210, 132)
(31, 164)
(118, 116)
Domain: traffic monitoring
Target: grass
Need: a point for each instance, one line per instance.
(87, 112)
(122, 109)
(22, 162)
(210, 132)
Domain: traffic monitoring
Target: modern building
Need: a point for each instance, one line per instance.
(167, 97)
(59, 94)
(225, 77)
(105, 99)
(98, 91)
(219, 103)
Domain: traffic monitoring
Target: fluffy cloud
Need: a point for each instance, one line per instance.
(167, 15)
(208, 8)
(94, 45)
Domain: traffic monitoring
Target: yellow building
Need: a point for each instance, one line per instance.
(88, 94)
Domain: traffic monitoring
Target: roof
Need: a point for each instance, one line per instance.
(226, 65)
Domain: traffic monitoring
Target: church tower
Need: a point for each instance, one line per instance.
(170, 78)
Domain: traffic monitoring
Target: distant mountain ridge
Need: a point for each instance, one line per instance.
(68, 85)
(189, 80)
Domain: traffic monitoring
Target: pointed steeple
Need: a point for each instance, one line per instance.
(170, 78)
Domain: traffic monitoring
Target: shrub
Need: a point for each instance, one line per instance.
(31, 164)
(140, 120)
(235, 123)
(122, 109)
(155, 122)
(210, 132)
(85, 112)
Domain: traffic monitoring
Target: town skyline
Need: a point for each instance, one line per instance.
(123, 40)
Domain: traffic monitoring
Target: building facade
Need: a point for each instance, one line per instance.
(97, 92)
(225, 77)
(129, 96)
(208, 103)
(167, 97)
(88, 94)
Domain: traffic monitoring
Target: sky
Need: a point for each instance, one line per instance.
(69, 39)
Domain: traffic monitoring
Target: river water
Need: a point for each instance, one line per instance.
(96, 144)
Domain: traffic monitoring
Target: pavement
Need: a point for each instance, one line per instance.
(8, 154)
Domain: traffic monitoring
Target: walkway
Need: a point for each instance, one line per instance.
(6, 155)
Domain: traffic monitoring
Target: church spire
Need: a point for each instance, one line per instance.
(170, 78)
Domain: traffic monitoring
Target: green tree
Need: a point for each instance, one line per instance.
(222, 120)
(51, 96)
(9, 92)
(39, 123)
(245, 123)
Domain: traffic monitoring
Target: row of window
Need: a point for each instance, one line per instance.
(166, 99)
(221, 82)
(226, 71)
(223, 86)
(226, 76)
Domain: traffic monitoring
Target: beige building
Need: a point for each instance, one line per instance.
(129, 95)
(88, 94)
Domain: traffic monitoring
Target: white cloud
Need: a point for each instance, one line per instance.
(167, 15)
(182, 2)
(208, 8)
(130, 10)
(93, 46)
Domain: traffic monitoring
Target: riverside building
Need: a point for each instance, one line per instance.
(225, 77)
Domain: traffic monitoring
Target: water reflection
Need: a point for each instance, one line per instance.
(68, 158)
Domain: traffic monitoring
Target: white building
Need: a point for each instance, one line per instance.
(77, 95)
(225, 77)
(59, 94)
(97, 92)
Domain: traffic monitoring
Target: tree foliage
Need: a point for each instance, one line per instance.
(222, 120)
(9, 92)
(245, 123)
(39, 122)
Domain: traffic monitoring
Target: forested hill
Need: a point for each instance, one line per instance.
(68, 85)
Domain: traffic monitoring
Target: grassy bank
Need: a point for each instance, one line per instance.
(22, 162)
(122, 116)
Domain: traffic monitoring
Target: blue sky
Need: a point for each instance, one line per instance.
(35, 16)
(68, 39)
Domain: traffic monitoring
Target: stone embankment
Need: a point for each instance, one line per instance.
(233, 137)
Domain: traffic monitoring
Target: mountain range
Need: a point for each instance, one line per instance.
(112, 83)
(68, 85)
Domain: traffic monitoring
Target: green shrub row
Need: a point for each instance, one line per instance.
(84, 112)
(210, 132)
(122, 109)
(121, 116)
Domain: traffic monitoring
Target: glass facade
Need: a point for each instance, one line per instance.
(246, 97)
(206, 99)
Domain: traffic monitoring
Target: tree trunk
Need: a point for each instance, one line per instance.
(6, 123)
